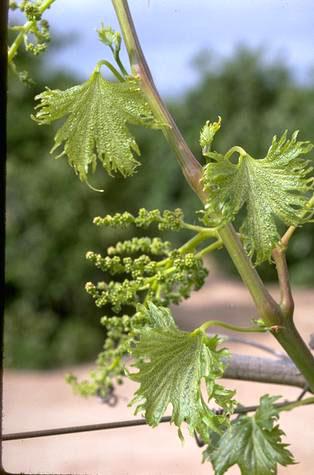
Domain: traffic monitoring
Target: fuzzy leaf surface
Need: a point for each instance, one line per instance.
(274, 189)
(172, 363)
(97, 113)
(253, 443)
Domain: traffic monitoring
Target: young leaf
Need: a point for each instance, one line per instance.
(207, 136)
(273, 189)
(96, 116)
(253, 443)
(110, 38)
(172, 363)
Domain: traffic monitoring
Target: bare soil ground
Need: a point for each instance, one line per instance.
(40, 400)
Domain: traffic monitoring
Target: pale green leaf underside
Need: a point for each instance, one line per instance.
(97, 113)
(274, 189)
(253, 443)
(171, 365)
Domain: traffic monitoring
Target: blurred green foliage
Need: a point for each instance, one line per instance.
(50, 320)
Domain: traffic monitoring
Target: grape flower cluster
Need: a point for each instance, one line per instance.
(140, 270)
(35, 32)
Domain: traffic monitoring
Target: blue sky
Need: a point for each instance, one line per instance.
(172, 32)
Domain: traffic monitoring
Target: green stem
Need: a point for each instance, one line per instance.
(292, 405)
(120, 64)
(289, 338)
(111, 68)
(286, 298)
(199, 229)
(229, 326)
(210, 248)
(194, 242)
(24, 30)
(190, 166)
(267, 308)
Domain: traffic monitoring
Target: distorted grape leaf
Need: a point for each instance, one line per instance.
(274, 189)
(253, 443)
(207, 136)
(172, 363)
(97, 113)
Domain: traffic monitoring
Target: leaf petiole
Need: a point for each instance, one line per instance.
(116, 56)
(110, 66)
(229, 326)
(236, 149)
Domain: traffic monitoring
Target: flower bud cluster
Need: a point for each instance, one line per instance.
(168, 280)
(118, 220)
(121, 334)
(37, 27)
(116, 294)
(166, 220)
(137, 267)
(31, 10)
(137, 271)
(144, 245)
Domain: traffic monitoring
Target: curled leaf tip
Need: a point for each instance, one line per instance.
(93, 188)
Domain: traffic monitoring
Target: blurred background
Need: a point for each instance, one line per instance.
(249, 61)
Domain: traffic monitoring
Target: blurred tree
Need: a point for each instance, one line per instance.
(50, 319)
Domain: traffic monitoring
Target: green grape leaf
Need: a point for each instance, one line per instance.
(274, 189)
(253, 443)
(95, 127)
(172, 363)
